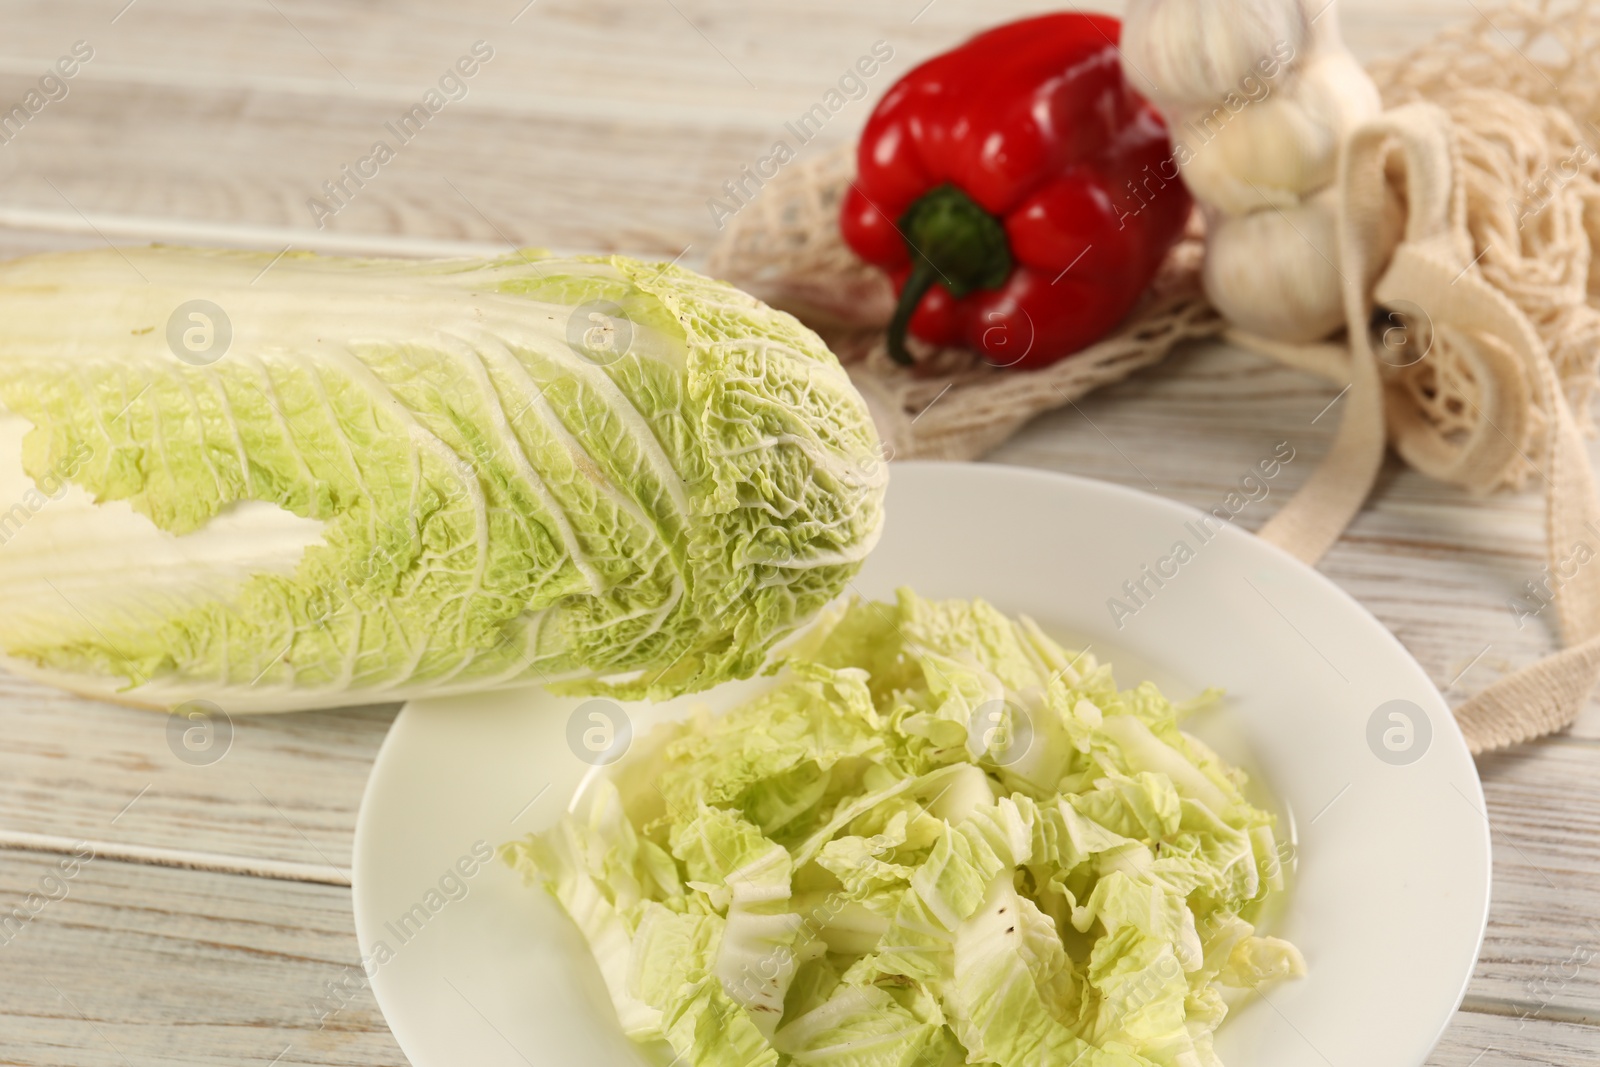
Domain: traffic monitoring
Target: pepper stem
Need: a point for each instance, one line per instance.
(917, 285)
(953, 242)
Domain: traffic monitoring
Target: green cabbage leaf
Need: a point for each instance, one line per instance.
(938, 838)
(298, 481)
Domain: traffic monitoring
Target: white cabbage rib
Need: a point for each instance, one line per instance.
(400, 479)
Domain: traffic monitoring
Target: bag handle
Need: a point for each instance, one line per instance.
(1433, 269)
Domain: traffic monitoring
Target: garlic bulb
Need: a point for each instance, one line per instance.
(1260, 96)
(1272, 273)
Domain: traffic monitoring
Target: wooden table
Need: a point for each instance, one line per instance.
(216, 906)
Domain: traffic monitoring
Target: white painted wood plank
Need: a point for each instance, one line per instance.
(591, 129)
(759, 58)
(1542, 949)
(145, 965)
(239, 159)
(285, 791)
(1478, 1040)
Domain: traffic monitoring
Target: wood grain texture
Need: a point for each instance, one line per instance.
(1541, 952)
(704, 57)
(584, 132)
(1491, 1040)
(144, 965)
(285, 790)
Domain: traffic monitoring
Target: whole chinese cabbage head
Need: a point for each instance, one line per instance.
(281, 483)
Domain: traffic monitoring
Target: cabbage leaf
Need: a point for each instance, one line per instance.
(869, 879)
(346, 481)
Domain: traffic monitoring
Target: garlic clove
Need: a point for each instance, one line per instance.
(1274, 273)
(1184, 54)
(1247, 154)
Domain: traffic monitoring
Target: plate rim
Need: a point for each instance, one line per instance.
(983, 469)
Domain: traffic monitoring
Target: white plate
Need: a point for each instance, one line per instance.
(1391, 887)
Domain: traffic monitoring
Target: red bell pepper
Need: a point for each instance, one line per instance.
(1018, 191)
